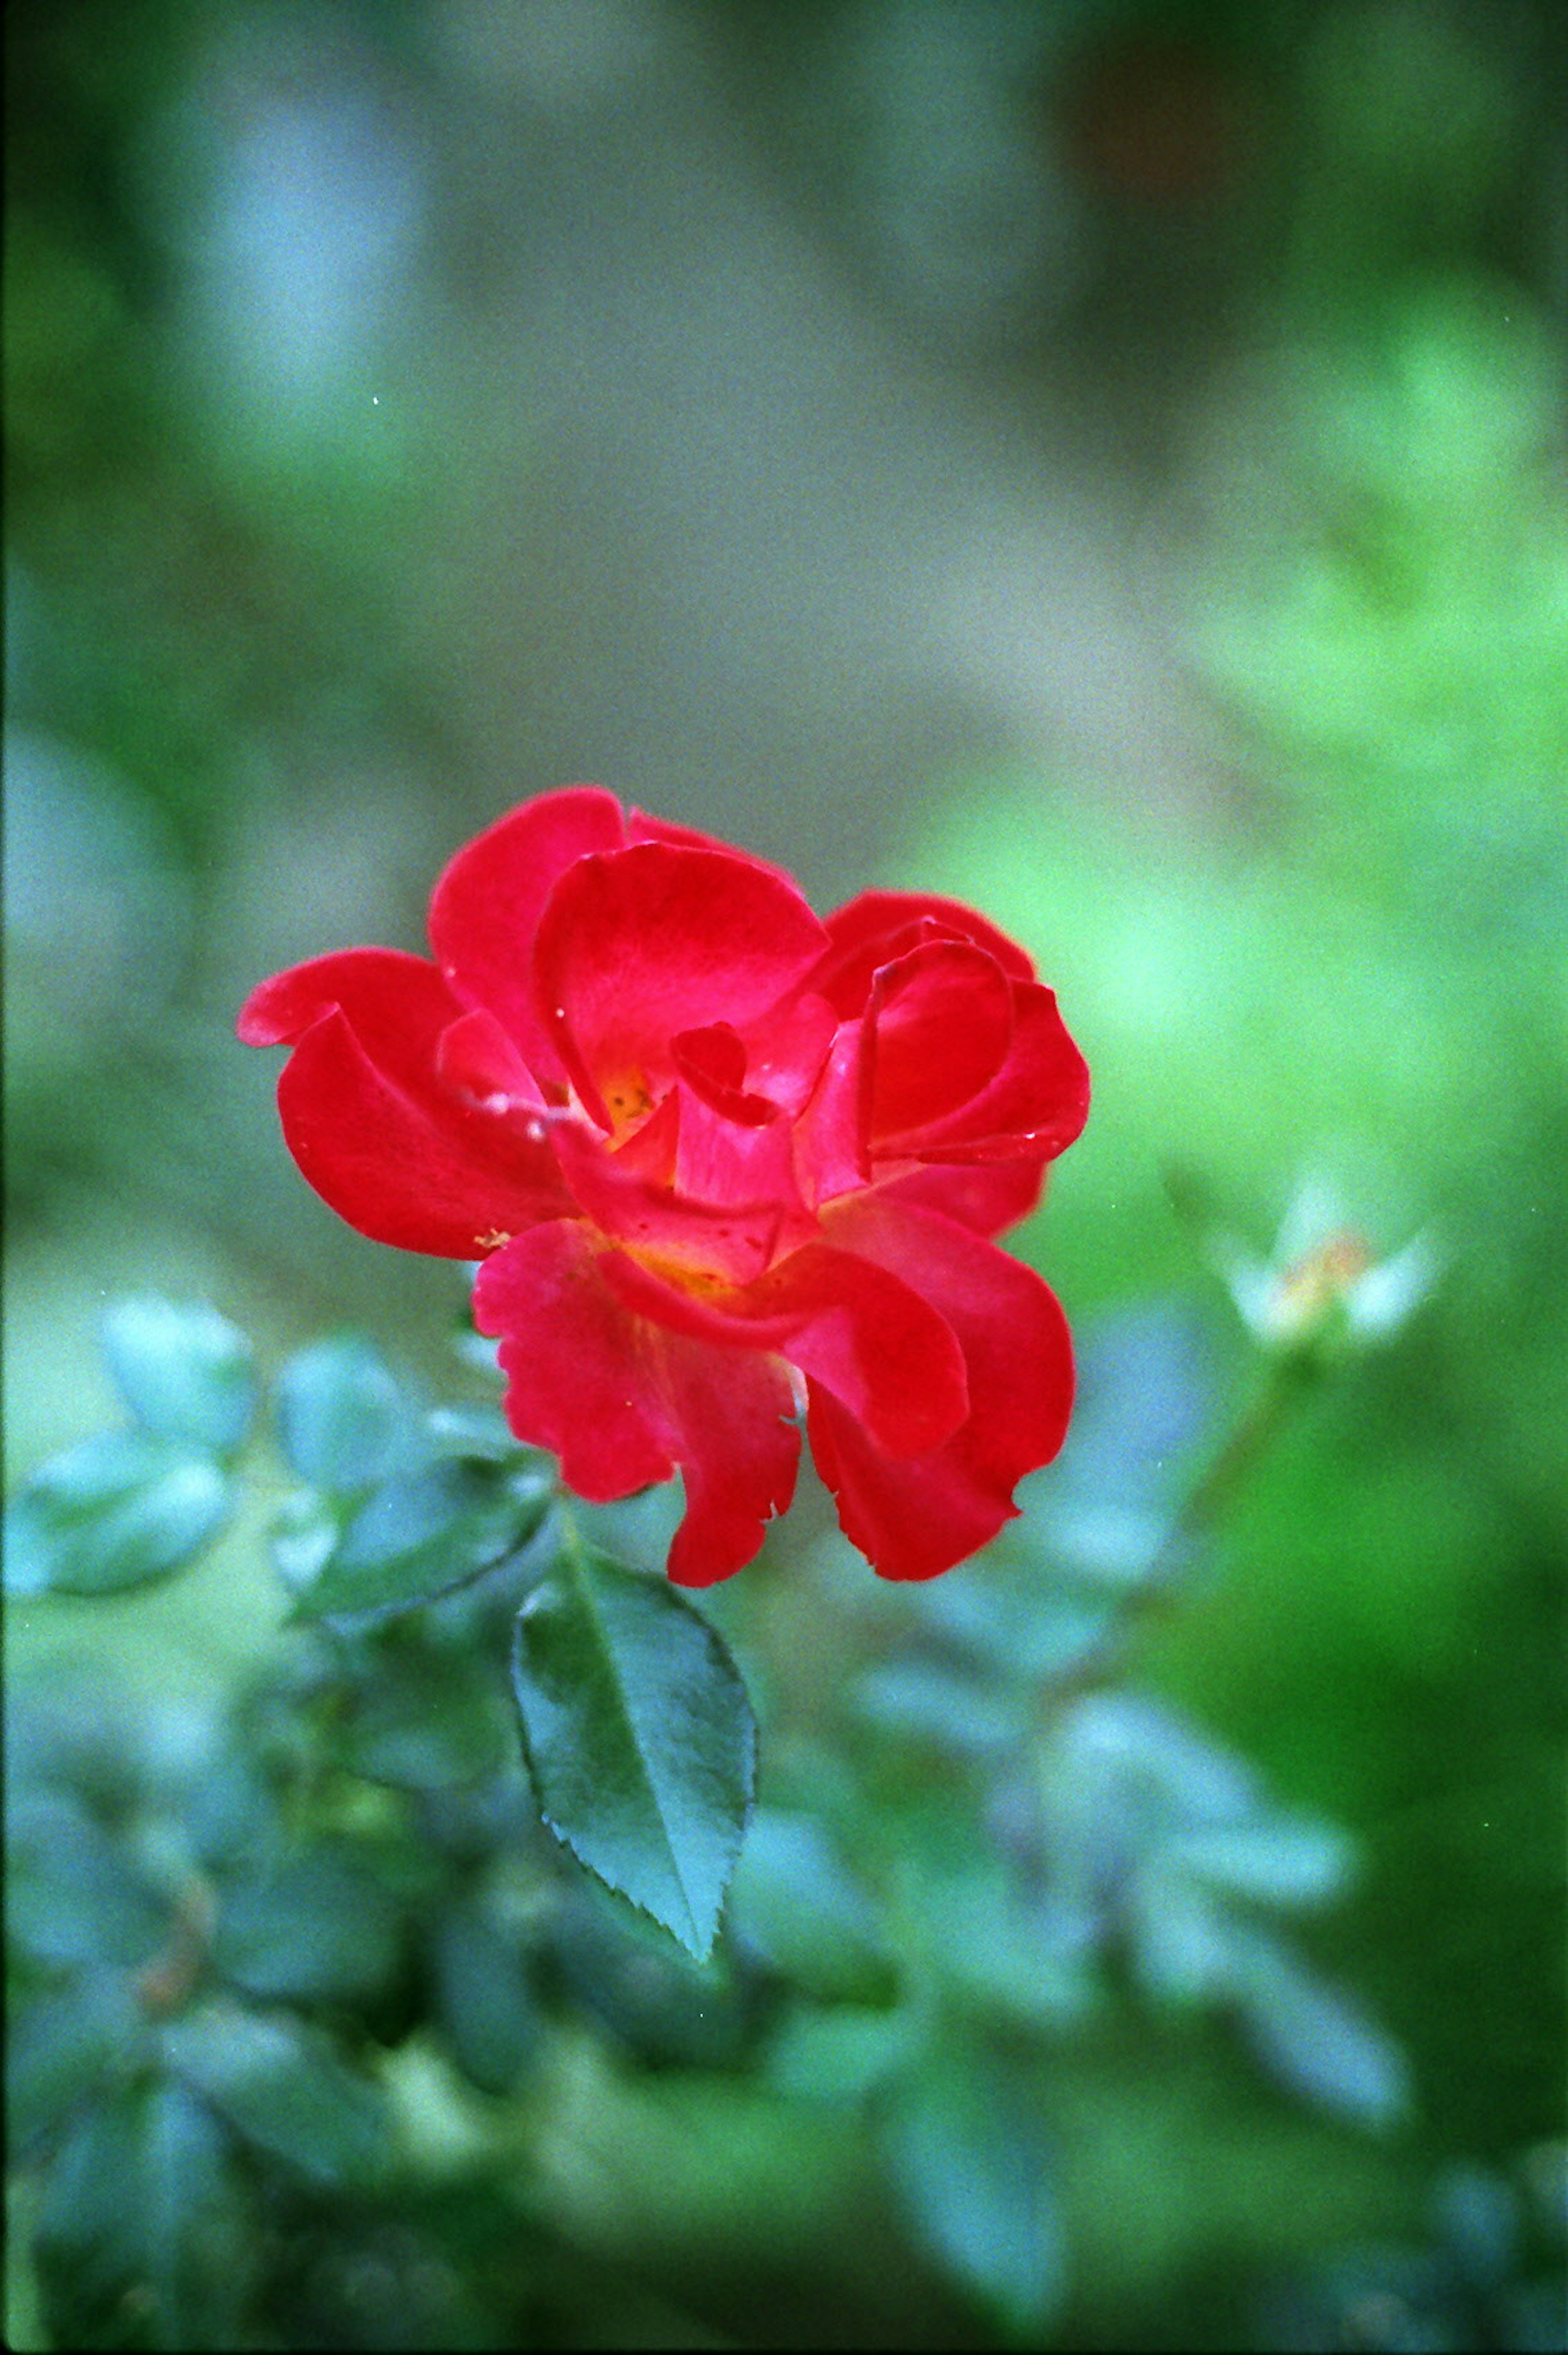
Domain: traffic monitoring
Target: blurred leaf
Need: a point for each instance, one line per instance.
(73, 1895)
(481, 1431)
(118, 1510)
(1279, 1860)
(1477, 2214)
(425, 1721)
(146, 2236)
(1183, 1949)
(60, 2046)
(282, 2087)
(304, 1531)
(841, 2054)
(317, 1928)
(185, 1372)
(1318, 2043)
(931, 1701)
(1003, 1948)
(794, 1899)
(343, 1422)
(425, 1533)
(639, 1737)
(967, 2150)
(658, 2002)
(484, 2003)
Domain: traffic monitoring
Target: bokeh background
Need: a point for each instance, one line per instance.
(1103, 459)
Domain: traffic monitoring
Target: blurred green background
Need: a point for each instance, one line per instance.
(1107, 460)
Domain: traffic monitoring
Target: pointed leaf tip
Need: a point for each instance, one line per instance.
(639, 1737)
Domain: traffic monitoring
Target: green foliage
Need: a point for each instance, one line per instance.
(638, 1737)
(117, 1512)
(186, 1373)
(970, 2158)
(418, 1537)
(146, 2237)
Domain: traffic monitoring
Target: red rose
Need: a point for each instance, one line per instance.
(721, 1160)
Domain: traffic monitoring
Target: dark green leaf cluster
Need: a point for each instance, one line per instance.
(985, 1849)
(239, 1949)
(1491, 2271)
(219, 1935)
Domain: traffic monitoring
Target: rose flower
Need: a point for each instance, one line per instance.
(724, 1163)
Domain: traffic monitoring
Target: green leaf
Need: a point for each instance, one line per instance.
(146, 2236)
(1285, 1861)
(967, 2147)
(842, 2054)
(483, 2000)
(117, 1512)
(1317, 2042)
(282, 2087)
(185, 1372)
(60, 2046)
(73, 1898)
(426, 1721)
(1001, 1949)
(639, 1737)
(422, 1535)
(794, 1899)
(668, 2009)
(317, 1928)
(343, 1422)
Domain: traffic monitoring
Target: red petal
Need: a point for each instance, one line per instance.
(477, 1058)
(914, 1516)
(867, 1335)
(372, 1128)
(712, 1062)
(739, 1451)
(729, 1243)
(622, 1402)
(581, 1378)
(450, 1183)
(940, 1021)
(486, 905)
(865, 933)
(985, 1197)
(642, 943)
(397, 1003)
(787, 1049)
(641, 827)
(830, 1149)
(1037, 1103)
(730, 1164)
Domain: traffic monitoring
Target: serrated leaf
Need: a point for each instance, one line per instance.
(484, 2003)
(653, 1996)
(343, 1419)
(145, 2234)
(185, 1372)
(317, 1928)
(794, 1899)
(283, 2088)
(117, 1512)
(638, 1736)
(60, 2046)
(423, 1534)
(967, 2151)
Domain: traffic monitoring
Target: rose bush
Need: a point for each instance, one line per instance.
(723, 1161)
